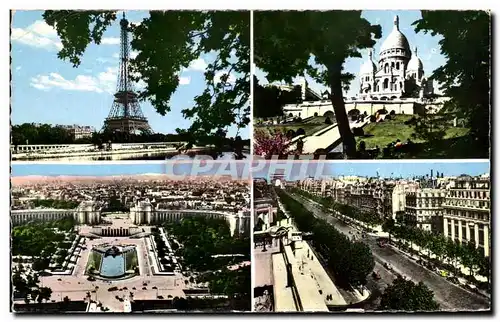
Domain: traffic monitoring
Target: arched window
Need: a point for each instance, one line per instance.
(397, 65)
(386, 68)
(392, 65)
(386, 83)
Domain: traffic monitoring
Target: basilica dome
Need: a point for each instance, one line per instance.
(368, 66)
(415, 63)
(396, 39)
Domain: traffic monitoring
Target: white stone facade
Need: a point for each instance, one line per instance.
(466, 214)
(144, 214)
(424, 208)
(85, 213)
(397, 68)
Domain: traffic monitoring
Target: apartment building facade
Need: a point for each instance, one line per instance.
(466, 211)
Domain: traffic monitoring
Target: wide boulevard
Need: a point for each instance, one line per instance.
(448, 295)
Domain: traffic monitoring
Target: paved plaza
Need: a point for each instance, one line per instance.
(145, 286)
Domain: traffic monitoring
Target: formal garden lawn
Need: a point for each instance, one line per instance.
(310, 126)
(131, 261)
(94, 262)
(383, 133)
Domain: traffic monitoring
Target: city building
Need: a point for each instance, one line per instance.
(78, 132)
(265, 206)
(466, 211)
(396, 82)
(397, 71)
(85, 213)
(145, 214)
(424, 209)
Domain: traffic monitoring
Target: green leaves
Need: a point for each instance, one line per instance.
(287, 42)
(405, 295)
(167, 42)
(351, 262)
(226, 36)
(77, 29)
(465, 77)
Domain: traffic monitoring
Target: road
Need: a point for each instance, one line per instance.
(448, 295)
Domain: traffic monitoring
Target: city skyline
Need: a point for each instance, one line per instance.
(321, 170)
(295, 170)
(156, 168)
(428, 47)
(54, 92)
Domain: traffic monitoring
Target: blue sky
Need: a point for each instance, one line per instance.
(428, 47)
(390, 169)
(48, 90)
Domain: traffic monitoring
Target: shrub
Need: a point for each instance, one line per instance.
(328, 121)
(393, 112)
(315, 114)
(357, 131)
(353, 112)
(388, 118)
(411, 121)
(300, 131)
(290, 134)
(373, 118)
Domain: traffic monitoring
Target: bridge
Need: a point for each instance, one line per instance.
(20, 149)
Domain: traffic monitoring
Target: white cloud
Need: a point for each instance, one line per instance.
(198, 64)
(217, 77)
(104, 82)
(184, 80)
(110, 41)
(133, 54)
(38, 34)
(18, 68)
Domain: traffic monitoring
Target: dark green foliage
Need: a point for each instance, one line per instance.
(430, 127)
(203, 237)
(55, 203)
(235, 283)
(346, 210)
(269, 100)
(351, 262)
(39, 239)
(45, 134)
(465, 77)
(284, 44)
(358, 131)
(405, 295)
(26, 285)
(167, 42)
(115, 204)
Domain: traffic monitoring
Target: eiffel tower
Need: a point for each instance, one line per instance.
(126, 114)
